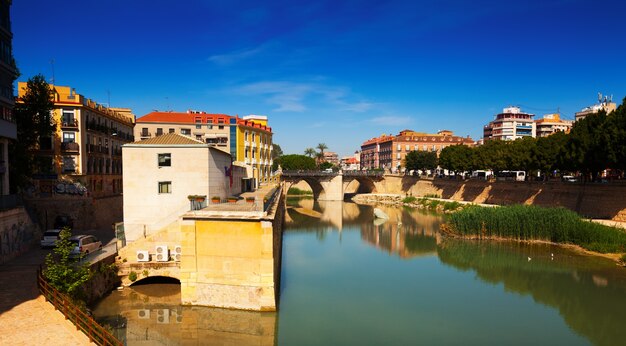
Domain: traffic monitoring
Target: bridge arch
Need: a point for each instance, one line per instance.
(363, 185)
(156, 279)
(316, 186)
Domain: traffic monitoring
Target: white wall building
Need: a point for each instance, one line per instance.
(161, 172)
(510, 125)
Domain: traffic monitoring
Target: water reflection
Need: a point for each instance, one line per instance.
(587, 291)
(152, 314)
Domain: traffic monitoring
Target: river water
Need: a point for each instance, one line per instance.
(348, 279)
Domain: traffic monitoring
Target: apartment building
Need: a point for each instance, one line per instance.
(87, 145)
(247, 139)
(510, 125)
(331, 157)
(8, 130)
(604, 104)
(551, 123)
(389, 152)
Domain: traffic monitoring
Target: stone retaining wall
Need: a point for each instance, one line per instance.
(602, 201)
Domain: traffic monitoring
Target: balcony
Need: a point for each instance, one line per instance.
(70, 148)
(145, 134)
(69, 124)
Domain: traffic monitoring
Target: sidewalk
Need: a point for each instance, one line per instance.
(25, 317)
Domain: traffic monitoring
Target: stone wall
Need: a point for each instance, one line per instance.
(18, 233)
(602, 201)
(87, 212)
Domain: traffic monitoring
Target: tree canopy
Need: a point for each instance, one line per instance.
(297, 162)
(33, 118)
(423, 160)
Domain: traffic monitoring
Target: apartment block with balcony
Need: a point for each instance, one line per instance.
(254, 146)
(605, 104)
(552, 123)
(510, 125)
(87, 144)
(8, 129)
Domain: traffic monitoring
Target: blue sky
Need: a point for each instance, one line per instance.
(337, 72)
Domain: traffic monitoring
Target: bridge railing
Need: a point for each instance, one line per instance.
(307, 173)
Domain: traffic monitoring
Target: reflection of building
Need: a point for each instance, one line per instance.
(388, 152)
(247, 139)
(550, 124)
(159, 174)
(604, 104)
(8, 130)
(88, 141)
(510, 125)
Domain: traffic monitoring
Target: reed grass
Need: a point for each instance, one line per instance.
(526, 222)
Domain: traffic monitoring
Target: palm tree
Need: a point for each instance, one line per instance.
(310, 152)
(320, 155)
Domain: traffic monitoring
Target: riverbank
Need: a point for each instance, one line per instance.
(604, 238)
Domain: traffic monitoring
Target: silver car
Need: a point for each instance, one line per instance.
(85, 244)
(50, 238)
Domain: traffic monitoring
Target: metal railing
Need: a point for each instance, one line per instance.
(83, 322)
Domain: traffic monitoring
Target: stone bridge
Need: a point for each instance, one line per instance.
(331, 186)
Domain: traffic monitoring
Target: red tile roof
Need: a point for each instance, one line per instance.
(184, 118)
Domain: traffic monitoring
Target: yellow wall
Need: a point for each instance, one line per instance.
(228, 264)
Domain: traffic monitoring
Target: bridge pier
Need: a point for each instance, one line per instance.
(333, 189)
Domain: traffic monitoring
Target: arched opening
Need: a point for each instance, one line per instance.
(366, 185)
(155, 280)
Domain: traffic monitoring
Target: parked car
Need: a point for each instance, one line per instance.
(85, 244)
(50, 238)
(569, 178)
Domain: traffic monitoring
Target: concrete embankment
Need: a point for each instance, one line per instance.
(598, 201)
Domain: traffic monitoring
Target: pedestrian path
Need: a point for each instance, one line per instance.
(25, 316)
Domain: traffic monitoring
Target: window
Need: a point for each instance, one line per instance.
(172, 130)
(165, 160)
(69, 137)
(209, 123)
(186, 132)
(144, 132)
(221, 127)
(399, 147)
(159, 131)
(165, 187)
(198, 124)
(199, 137)
(407, 147)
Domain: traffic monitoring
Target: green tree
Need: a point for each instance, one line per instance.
(310, 152)
(320, 155)
(616, 127)
(63, 271)
(297, 162)
(492, 155)
(423, 160)
(518, 155)
(33, 118)
(277, 151)
(457, 158)
(587, 149)
(547, 153)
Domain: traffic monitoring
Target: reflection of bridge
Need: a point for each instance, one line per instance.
(331, 186)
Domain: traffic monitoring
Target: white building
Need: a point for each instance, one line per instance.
(161, 172)
(604, 104)
(510, 125)
(552, 123)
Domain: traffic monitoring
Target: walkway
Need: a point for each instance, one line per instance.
(25, 317)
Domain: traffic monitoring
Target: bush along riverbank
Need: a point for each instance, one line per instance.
(426, 202)
(532, 223)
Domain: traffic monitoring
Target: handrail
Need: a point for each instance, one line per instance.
(83, 322)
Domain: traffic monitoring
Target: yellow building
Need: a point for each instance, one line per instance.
(86, 147)
(254, 146)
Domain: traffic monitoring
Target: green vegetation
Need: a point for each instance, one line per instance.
(422, 160)
(63, 271)
(35, 128)
(145, 273)
(294, 191)
(409, 199)
(594, 144)
(524, 222)
(297, 162)
(132, 276)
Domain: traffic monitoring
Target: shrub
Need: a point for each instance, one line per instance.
(63, 271)
(409, 199)
(298, 192)
(132, 276)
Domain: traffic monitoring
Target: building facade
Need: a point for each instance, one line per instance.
(331, 157)
(87, 144)
(510, 125)
(604, 104)
(551, 123)
(247, 139)
(8, 130)
(161, 172)
(388, 152)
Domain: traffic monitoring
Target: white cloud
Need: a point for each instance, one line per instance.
(237, 55)
(391, 120)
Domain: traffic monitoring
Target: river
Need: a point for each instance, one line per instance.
(348, 279)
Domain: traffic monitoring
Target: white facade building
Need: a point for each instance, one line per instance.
(510, 125)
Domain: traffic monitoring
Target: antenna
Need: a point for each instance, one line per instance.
(109, 97)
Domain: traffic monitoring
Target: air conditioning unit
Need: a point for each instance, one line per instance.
(177, 315)
(143, 256)
(143, 314)
(163, 316)
(162, 253)
(177, 253)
